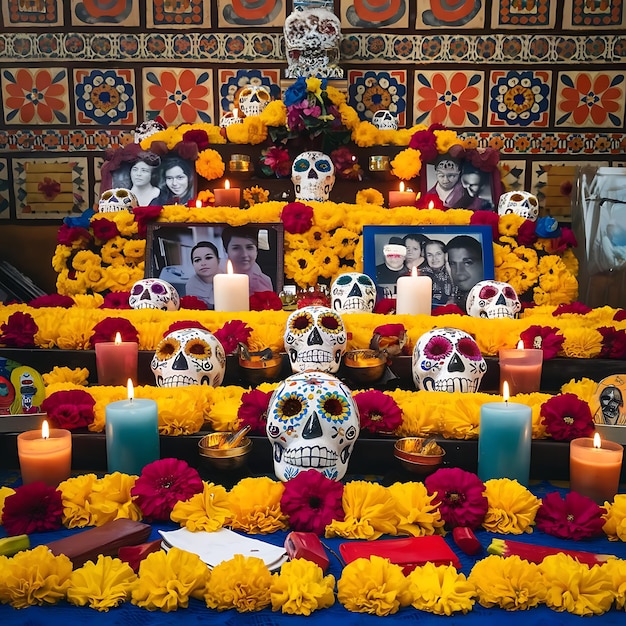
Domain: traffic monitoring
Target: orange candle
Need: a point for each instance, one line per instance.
(595, 467)
(521, 368)
(229, 196)
(116, 361)
(45, 455)
(401, 197)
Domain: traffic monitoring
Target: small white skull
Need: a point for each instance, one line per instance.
(493, 299)
(313, 176)
(385, 120)
(315, 339)
(231, 117)
(447, 359)
(154, 293)
(253, 99)
(522, 203)
(118, 199)
(189, 356)
(312, 423)
(353, 293)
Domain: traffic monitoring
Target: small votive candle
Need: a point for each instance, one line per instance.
(595, 467)
(116, 361)
(401, 197)
(521, 368)
(229, 196)
(45, 455)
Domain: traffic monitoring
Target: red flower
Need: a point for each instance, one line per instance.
(546, 338)
(232, 334)
(104, 229)
(459, 496)
(162, 484)
(19, 331)
(297, 217)
(194, 303)
(620, 315)
(253, 410)
(385, 306)
(33, 508)
(187, 150)
(613, 343)
(448, 309)
(429, 201)
(313, 298)
(426, 142)
(575, 517)
(276, 160)
(199, 137)
(485, 159)
(566, 417)
(69, 409)
(144, 215)
(109, 327)
(486, 218)
(578, 308)
(312, 501)
(526, 235)
(378, 412)
(265, 301)
(116, 300)
(52, 300)
(67, 235)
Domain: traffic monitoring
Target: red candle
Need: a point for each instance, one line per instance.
(229, 196)
(401, 197)
(595, 467)
(521, 368)
(116, 361)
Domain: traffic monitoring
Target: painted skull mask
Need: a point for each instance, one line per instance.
(353, 292)
(118, 199)
(447, 359)
(312, 423)
(522, 203)
(154, 293)
(253, 99)
(313, 176)
(315, 339)
(189, 356)
(493, 299)
(385, 120)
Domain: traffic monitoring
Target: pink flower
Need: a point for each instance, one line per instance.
(265, 301)
(566, 417)
(613, 343)
(52, 300)
(546, 338)
(162, 484)
(33, 508)
(232, 334)
(253, 410)
(297, 217)
(378, 412)
(312, 501)
(106, 330)
(19, 331)
(192, 302)
(426, 142)
(116, 300)
(199, 137)
(70, 409)
(575, 517)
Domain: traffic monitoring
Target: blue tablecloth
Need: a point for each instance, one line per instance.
(64, 614)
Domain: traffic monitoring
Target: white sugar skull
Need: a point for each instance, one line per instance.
(253, 99)
(353, 293)
(312, 423)
(385, 120)
(154, 293)
(189, 356)
(118, 199)
(447, 359)
(315, 339)
(313, 176)
(493, 299)
(231, 117)
(522, 203)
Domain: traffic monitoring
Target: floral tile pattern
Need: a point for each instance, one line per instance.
(232, 81)
(447, 97)
(371, 91)
(178, 95)
(524, 13)
(443, 13)
(32, 13)
(591, 99)
(105, 97)
(250, 13)
(582, 14)
(35, 96)
(513, 174)
(368, 15)
(5, 212)
(178, 14)
(101, 12)
(519, 98)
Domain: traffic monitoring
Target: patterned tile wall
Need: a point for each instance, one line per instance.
(542, 80)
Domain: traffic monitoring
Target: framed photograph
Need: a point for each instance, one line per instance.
(461, 185)
(188, 255)
(455, 257)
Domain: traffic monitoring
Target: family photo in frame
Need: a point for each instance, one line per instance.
(188, 255)
(454, 257)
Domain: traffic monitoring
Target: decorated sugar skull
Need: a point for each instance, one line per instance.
(522, 203)
(231, 117)
(189, 356)
(353, 293)
(312, 423)
(315, 339)
(447, 359)
(493, 299)
(154, 293)
(385, 120)
(118, 199)
(313, 176)
(253, 99)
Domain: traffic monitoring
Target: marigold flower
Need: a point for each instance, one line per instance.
(418, 512)
(77, 376)
(205, 511)
(110, 499)
(615, 526)
(209, 164)
(512, 508)
(370, 196)
(406, 164)
(5, 492)
(440, 590)
(255, 505)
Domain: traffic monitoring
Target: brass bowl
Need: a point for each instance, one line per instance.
(409, 452)
(257, 370)
(364, 366)
(223, 459)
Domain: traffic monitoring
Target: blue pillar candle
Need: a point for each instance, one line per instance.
(132, 434)
(504, 441)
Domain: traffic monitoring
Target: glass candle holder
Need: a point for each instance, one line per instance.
(240, 165)
(380, 167)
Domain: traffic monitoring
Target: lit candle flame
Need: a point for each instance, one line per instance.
(431, 205)
(229, 267)
(401, 186)
(505, 391)
(520, 344)
(414, 272)
(597, 442)
(118, 338)
(131, 389)
(227, 184)
(419, 195)
(198, 204)
(45, 430)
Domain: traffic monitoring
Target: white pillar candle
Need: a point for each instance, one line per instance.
(231, 292)
(414, 294)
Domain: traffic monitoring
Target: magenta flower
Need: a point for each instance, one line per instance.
(613, 343)
(70, 409)
(577, 308)
(33, 508)
(253, 410)
(19, 331)
(52, 300)
(566, 417)
(297, 217)
(575, 517)
(116, 300)
(106, 329)
(378, 412)
(546, 338)
(232, 334)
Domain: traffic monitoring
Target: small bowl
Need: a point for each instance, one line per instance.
(408, 452)
(223, 459)
(364, 366)
(258, 369)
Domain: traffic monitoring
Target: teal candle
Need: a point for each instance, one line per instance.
(132, 435)
(504, 441)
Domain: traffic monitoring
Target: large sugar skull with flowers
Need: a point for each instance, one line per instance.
(447, 359)
(522, 203)
(493, 299)
(313, 176)
(353, 292)
(189, 356)
(118, 199)
(312, 423)
(315, 339)
(154, 293)
(253, 99)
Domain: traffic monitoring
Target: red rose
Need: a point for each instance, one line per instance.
(297, 217)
